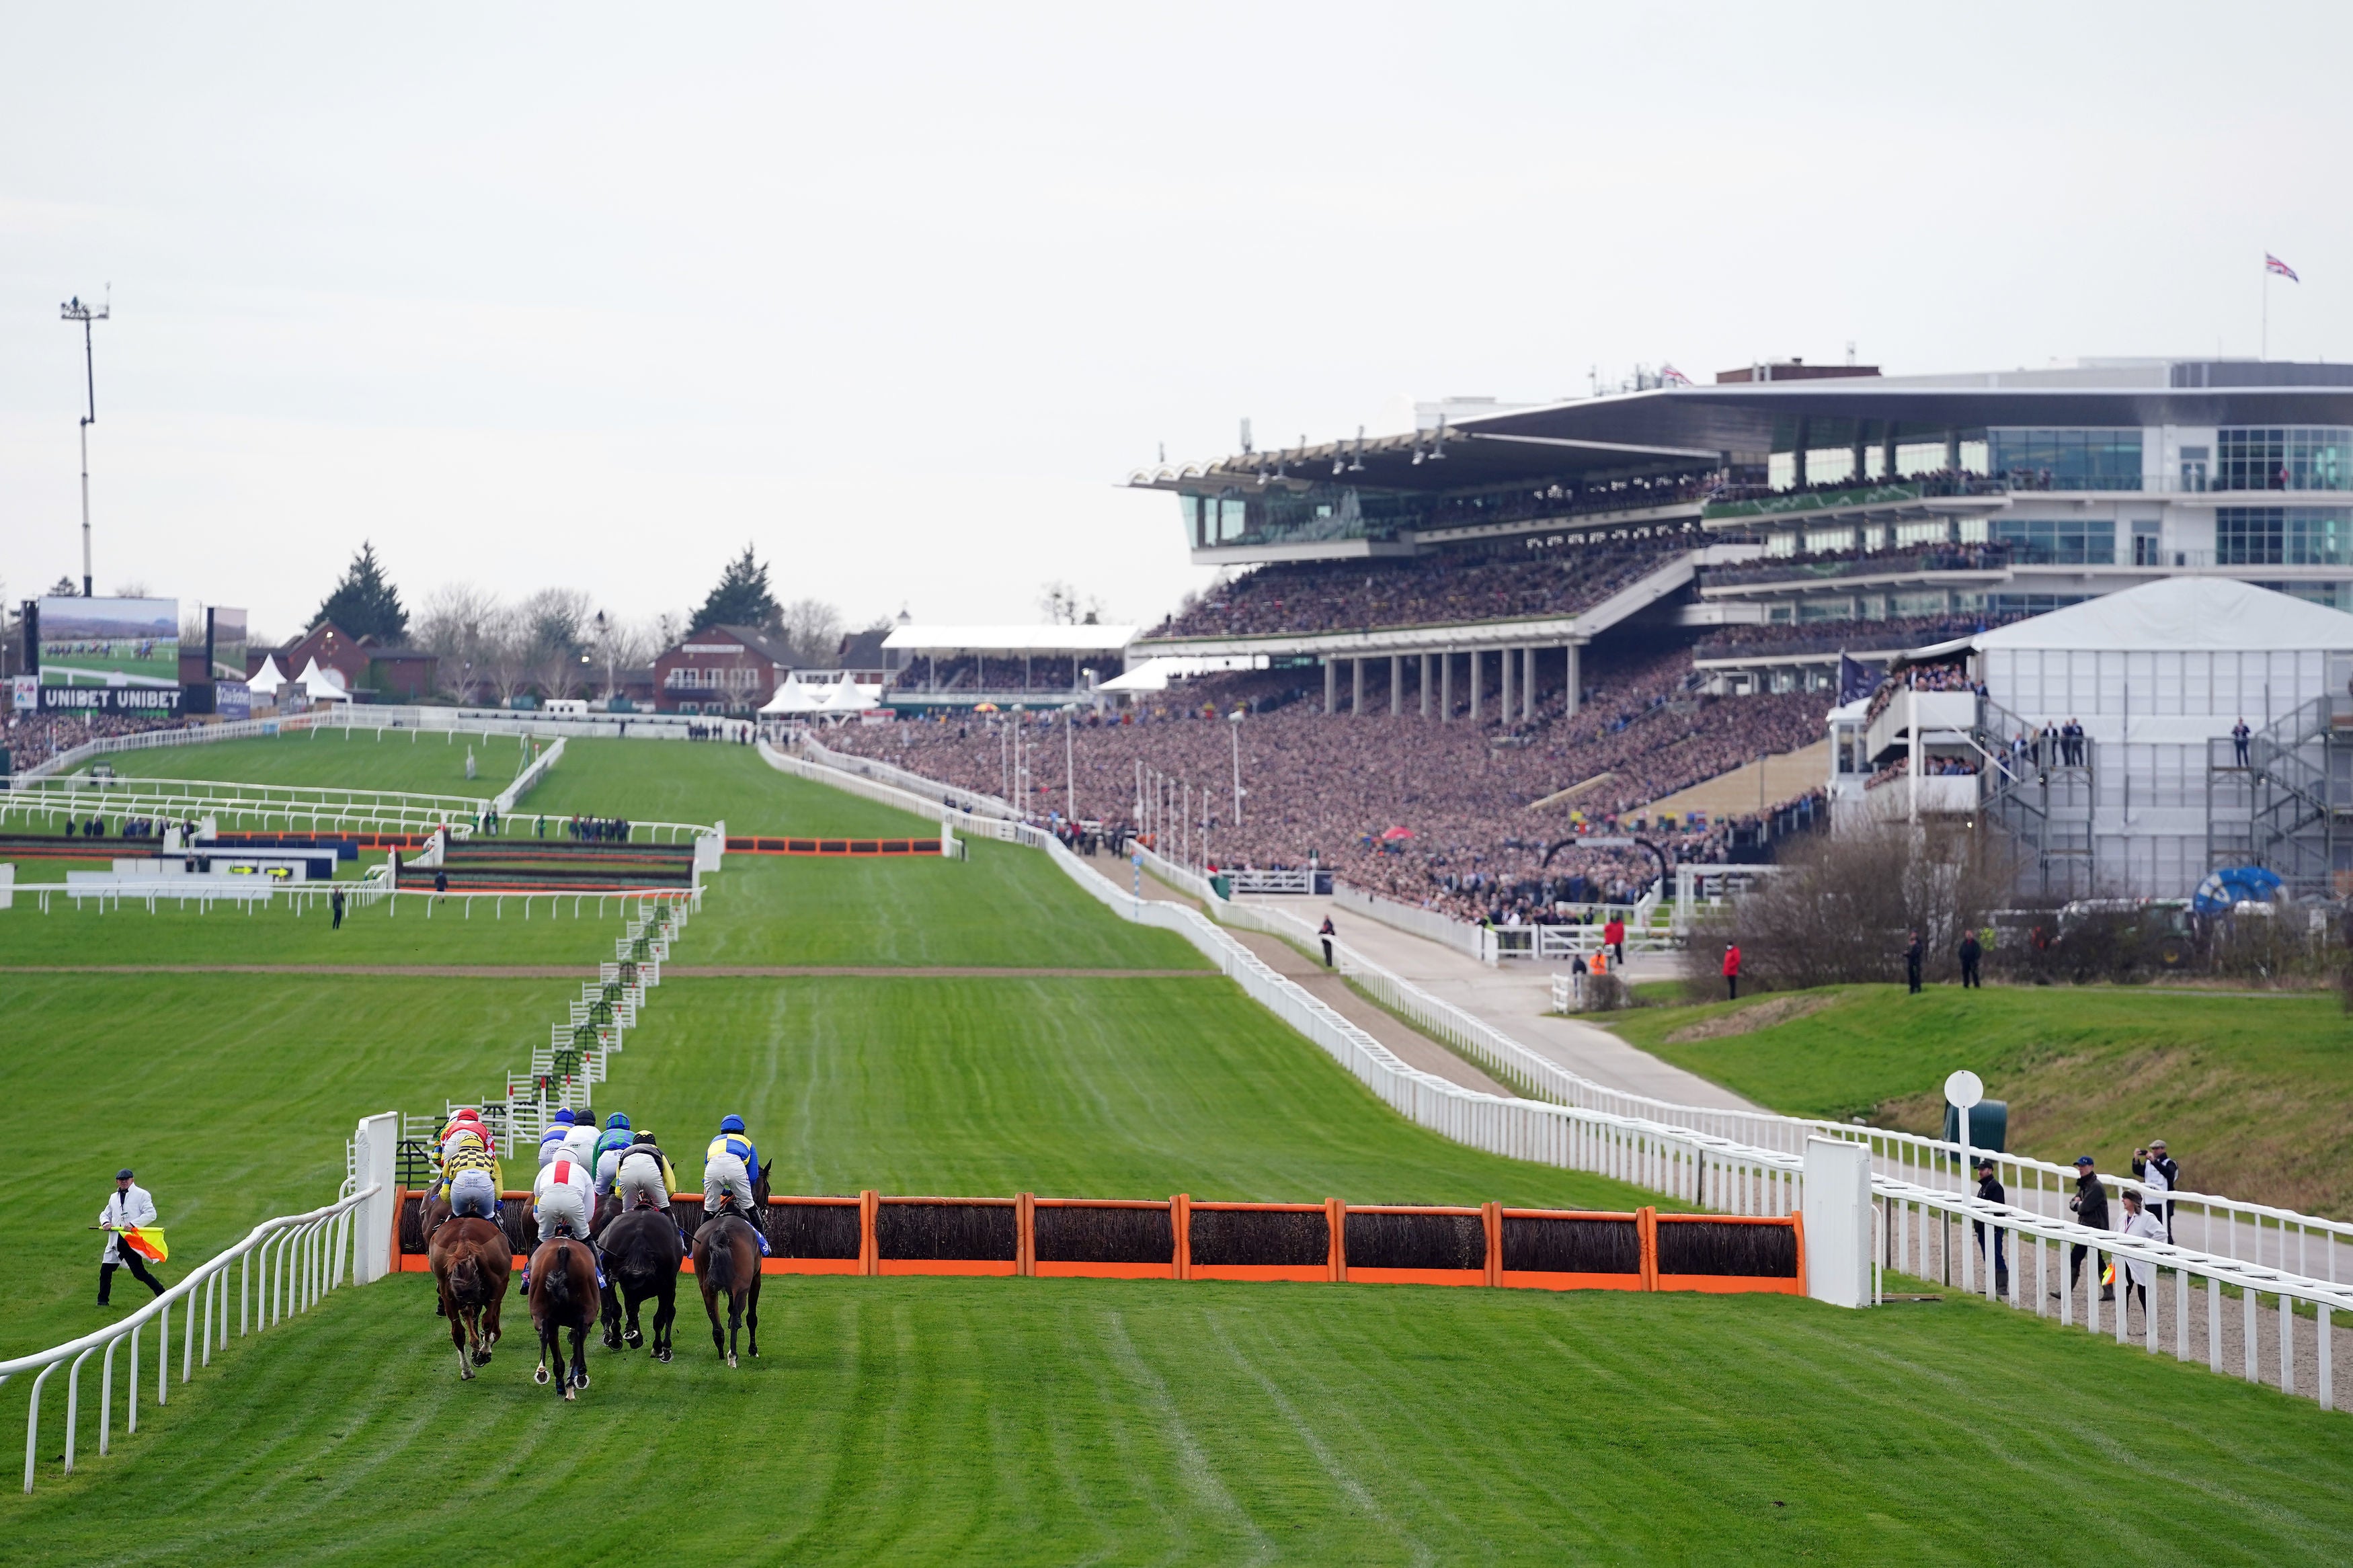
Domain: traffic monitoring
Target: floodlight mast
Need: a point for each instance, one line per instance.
(74, 309)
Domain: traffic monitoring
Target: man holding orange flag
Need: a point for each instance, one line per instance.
(132, 1237)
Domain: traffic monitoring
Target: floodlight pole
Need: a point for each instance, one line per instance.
(74, 309)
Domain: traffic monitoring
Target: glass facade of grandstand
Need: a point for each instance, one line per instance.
(1817, 511)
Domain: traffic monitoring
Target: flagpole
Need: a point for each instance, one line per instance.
(2266, 352)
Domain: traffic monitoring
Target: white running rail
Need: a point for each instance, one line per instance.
(301, 1257)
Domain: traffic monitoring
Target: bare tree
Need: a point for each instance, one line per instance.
(555, 628)
(509, 655)
(456, 626)
(812, 629)
(1840, 910)
(1062, 605)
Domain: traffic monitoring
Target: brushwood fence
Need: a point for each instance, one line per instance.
(1182, 1238)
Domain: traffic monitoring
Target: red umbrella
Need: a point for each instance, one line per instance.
(1394, 834)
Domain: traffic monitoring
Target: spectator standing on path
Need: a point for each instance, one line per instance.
(130, 1205)
(1576, 980)
(2090, 1204)
(1613, 937)
(335, 904)
(1326, 933)
(1991, 1189)
(2139, 1222)
(441, 882)
(2159, 1175)
(1732, 972)
(2238, 734)
(1972, 951)
(1911, 953)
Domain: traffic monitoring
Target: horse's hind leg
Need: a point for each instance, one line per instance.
(665, 1314)
(710, 1306)
(547, 1346)
(734, 1323)
(752, 1319)
(580, 1360)
(459, 1338)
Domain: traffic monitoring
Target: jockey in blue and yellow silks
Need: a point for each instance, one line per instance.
(729, 1168)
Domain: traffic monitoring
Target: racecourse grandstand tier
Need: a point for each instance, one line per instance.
(1000, 666)
(1862, 503)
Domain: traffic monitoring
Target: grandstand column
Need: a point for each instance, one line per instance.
(1331, 687)
(1472, 655)
(1952, 451)
(1445, 686)
(1797, 453)
(1570, 681)
(1425, 686)
(1504, 680)
(1861, 452)
(1357, 687)
(1397, 674)
(1888, 450)
(1528, 682)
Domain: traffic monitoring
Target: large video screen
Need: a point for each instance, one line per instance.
(224, 632)
(110, 644)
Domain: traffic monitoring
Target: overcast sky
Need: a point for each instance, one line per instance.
(590, 295)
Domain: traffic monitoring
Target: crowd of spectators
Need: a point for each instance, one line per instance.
(1932, 482)
(1304, 596)
(1930, 767)
(1567, 500)
(969, 672)
(33, 739)
(1941, 675)
(1793, 637)
(1835, 563)
(1333, 788)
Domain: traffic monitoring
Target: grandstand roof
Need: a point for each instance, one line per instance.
(1666, 427)
(1055, 639)
(2174, 615)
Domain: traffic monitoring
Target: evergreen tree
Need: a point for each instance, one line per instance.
(364, 604)
(742, 597)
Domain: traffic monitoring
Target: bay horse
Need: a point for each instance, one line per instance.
(727, 1261)
(470, 1261)
(642, 1253)
(564, 1296)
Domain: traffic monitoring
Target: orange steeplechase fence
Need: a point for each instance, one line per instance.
(1180, 1237)
(756, 846)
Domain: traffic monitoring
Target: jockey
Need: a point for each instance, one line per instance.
(560, 1201)
(559, 1130)
(641, 1169)
(581, 1141)
(607, 1154)
(465, 1132)
(729, 1166)
(473, 1177)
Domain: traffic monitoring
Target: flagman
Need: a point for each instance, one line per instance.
(128, 1220)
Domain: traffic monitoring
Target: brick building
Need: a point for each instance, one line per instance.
(720, 669)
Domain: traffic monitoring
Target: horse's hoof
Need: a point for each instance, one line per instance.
(731, 1360)
(637, 1340)
(539, 1375)
(482, 1357)
(568, 1396)
(580, 1380)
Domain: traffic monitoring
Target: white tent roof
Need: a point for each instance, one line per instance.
(265, 681)
(1054, 639)
(1153, 674)
(2178, 614)
(792, 696)
(849, 697)
(324, 683)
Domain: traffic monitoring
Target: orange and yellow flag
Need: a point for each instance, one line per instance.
(147, 1241)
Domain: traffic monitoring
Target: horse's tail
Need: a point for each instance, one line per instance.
(559, 1277)
(466, 1277)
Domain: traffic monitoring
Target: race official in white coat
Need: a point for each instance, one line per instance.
(129, 1204)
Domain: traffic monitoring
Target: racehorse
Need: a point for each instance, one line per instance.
(642, 1253)
(564, 1296)
(471, 1261)
(727, 1259)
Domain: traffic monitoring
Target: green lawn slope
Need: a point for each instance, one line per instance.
(2249, 1092)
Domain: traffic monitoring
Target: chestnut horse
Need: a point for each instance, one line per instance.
(562, 1276)
(727, 1262)
(471, 1261)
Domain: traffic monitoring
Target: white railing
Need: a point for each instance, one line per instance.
(308, 898)
(933, 793)
(1460, 935)
(504, 802)
(302, 1256)
(148, 740)
(1301, 881)
(1702, 1167)
(279, 809)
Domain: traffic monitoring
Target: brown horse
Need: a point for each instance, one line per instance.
(564, 1296)
(471, 1261)
(727, 1262)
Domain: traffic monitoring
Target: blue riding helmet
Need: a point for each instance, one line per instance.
(731, 1124)
(616, 1122)
(564, 1117)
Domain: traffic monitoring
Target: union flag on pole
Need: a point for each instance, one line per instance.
(147, 1241)
(2274, 264)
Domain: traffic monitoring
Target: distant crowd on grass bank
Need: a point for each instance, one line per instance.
(33, 739)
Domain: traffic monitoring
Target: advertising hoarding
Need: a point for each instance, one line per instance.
(233, 700)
